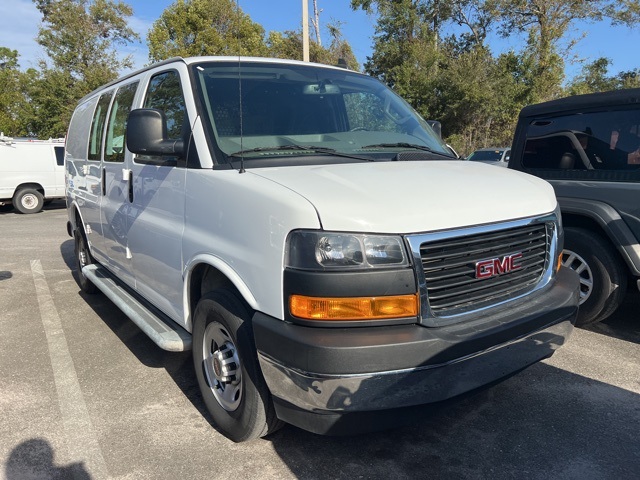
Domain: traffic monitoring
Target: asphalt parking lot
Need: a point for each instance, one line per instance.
(84, 394)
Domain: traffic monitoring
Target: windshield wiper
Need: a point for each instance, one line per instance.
(415, 146)
(304, 148)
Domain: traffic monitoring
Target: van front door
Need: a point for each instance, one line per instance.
(158, 208)
(118, 187)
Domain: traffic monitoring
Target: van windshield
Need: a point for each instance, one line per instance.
(266, 110)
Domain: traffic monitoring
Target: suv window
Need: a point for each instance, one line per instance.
(97, 126)
(115, 142)
(594, 142)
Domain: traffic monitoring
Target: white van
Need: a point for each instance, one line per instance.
(313, 241)
(31, 172)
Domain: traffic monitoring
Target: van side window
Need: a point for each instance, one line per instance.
(59, 151)
(165, 93)
(97, 126)
(115, 141)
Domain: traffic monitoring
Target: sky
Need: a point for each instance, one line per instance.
(20, 20)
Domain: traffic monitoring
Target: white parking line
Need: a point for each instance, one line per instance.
(82, 442)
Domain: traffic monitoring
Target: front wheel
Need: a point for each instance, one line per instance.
(28, 200)
(603, 280)
(227, 369)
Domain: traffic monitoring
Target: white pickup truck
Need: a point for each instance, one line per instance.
(306, 233)
(31, 172)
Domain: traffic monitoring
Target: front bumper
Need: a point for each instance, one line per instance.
(343, 370)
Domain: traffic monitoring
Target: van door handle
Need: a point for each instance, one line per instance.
(104, 182)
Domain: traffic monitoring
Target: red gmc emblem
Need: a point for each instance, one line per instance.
(498, 266)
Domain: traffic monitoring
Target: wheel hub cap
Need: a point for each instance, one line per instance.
(222, 366)
(29, 201)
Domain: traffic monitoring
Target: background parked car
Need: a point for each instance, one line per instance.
(494, 156)
(587, 147)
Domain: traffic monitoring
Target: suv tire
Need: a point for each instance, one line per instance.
(603, 280)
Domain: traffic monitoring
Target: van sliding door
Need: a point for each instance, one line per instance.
(115, 208)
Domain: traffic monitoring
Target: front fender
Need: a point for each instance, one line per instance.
(225, 269)
(611, 223)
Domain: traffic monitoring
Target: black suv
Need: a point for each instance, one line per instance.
(587, 147)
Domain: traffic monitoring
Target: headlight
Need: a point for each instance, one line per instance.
(315, 250)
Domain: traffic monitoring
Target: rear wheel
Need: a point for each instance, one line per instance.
(83, 258)
(227, 369)
(603, 280)
(28, 200)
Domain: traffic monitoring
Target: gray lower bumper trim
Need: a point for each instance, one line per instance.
(415, 386)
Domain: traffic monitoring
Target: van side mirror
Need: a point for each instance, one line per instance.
(147, 134)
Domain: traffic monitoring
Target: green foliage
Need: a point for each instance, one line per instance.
(458, 81)
(205, 27)
(289, 45)
(546, 22)
(79, 38)
(11, 98)
(595, 78)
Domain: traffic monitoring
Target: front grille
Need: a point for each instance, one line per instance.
(450, 267)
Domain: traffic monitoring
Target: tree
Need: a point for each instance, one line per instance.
(288, 45)
(546, 23)
(205, 27)
(595, 78)
(12, 99)
(80, 39)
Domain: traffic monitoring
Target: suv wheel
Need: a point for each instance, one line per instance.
(603, 281)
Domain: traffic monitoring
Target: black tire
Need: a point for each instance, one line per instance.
(28, 200)
(83, 258)
(603, 279)
(237, 398)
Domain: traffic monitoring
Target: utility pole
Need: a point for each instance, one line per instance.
(305, 30)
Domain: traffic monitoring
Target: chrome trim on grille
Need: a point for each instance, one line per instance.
(433, 318)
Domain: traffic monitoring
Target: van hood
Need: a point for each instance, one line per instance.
(413, 197)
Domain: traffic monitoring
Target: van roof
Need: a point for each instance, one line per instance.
(580, 102)
(192, 60)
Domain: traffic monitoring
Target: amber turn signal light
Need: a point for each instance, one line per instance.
(559, 262)
(353, 308)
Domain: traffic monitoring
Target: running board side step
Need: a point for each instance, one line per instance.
(165, 333)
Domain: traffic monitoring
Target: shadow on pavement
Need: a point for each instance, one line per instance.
(543, 423)
(179, 365)
(34, 458)
(49, 205)
(624, 324)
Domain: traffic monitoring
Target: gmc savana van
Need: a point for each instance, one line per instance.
(310, 238)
